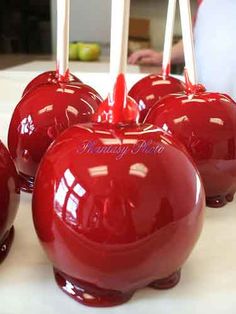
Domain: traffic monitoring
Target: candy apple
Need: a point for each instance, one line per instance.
(9, 200)
(205, 122)
(49, 77)
(40, 116)
(152, 88)
(117, 205)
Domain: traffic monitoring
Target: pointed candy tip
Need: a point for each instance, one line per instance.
(119, 107)
(120, 91)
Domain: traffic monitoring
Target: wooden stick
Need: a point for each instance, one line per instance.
(63, 22)
(119, 37)
(170, 22)
(188, 41)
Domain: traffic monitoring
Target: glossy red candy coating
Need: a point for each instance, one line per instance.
(152, 88)
(40, 116)
(48, 77)
(206, 124)
(118, 222)
(118, 108)
(117, 207)
(9, 200)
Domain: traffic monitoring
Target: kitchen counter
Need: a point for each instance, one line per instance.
(26, 62)
(29, 63)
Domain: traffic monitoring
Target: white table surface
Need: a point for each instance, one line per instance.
(208, 284)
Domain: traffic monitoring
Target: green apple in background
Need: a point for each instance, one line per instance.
(73, 51)
(88, 51)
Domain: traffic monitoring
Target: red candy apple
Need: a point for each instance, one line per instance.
(152, 88)
(40, 116)
(49, 77)
(205, 123)
(117, 205)
(9, 200)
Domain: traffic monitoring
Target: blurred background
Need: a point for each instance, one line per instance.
(28, 27)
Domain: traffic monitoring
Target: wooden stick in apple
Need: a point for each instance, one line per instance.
(62, 71)
(119, 37)
(188, 42)
(118, 107)
(63, 22)
(168, 37)
(153, 87)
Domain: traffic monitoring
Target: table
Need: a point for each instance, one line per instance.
(100, 66)
(26, 282)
